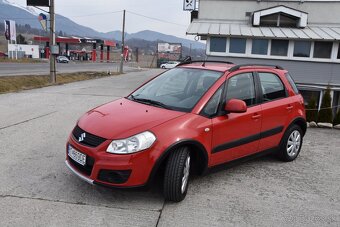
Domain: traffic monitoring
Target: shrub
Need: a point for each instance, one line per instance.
(326, 113)
(337, 118)
(311, 110)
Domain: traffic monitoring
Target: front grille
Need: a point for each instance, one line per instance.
(87, 169)
(89, 139)
(114, 176)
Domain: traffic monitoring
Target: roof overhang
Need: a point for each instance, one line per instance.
(225, 28)
(302, 16)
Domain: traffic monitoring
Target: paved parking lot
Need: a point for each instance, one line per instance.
(38, 190)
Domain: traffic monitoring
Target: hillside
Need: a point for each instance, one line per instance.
(27, 15)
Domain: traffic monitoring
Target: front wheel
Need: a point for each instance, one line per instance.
(176, 177)
(291, 144)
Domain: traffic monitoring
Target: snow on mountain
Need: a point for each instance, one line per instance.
(29, 9)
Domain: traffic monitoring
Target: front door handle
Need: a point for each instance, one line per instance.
(256, 116)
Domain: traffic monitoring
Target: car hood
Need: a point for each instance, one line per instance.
(124, 118)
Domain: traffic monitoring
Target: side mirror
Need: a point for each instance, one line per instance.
(235, 106)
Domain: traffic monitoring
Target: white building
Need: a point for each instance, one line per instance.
(302, 36)
(22, 50)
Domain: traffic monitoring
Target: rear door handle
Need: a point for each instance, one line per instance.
(290, 107)
(256, 116)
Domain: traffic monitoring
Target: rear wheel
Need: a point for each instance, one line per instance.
(291, 143)
(176, 177)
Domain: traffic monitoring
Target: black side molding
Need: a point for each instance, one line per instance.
(246, 140)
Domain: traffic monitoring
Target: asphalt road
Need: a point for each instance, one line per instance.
(15, 69)
(38, 190)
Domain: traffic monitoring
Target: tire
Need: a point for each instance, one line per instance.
(291, 144)
(176, 177)
(163, 67)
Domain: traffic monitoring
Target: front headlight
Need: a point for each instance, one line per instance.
(132, 144)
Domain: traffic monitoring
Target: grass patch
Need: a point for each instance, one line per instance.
(21, 60)
(18, 83)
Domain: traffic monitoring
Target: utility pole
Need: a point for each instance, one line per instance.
(123, 44)
(52, 43)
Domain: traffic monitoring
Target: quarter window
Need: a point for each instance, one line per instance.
(272, 87)
(323, 49)
(302, 49)
(218, 44)
(292, 83)
(212, 106)
(279, 47)
(237, 45)
(259, 46)
(241, 87)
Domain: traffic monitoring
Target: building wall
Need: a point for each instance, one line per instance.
(30, 50)
(319, 12)
(302, 72)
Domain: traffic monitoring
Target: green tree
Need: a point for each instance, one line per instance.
(337, 118)
(21, 39)
(311, 110)
(326, 114)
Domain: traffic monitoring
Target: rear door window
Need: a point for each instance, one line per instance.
(272, 87)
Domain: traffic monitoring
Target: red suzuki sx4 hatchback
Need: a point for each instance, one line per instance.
(188, 119)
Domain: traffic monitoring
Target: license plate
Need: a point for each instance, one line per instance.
(76, 155)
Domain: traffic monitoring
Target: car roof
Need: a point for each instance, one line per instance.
(216, 66)
(227, 66)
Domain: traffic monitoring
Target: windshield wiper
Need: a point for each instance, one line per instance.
(150, 102)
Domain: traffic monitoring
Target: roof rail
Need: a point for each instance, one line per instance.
(237, 67)
(204, 61)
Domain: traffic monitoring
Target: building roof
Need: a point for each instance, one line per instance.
(224, 28)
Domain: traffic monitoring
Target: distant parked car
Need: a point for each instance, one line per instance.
(169, 65)
(62, 59)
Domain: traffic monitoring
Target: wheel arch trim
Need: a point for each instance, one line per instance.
(186, 142)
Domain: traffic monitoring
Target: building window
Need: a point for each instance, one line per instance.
(260, 46)
(237, 45)
(279, 20)
(279, 47)
(322, 49)
(339, 52)
(218, 44)
(302, 49)
(309, 95)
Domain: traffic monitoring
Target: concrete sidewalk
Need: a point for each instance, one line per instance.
(38, 190)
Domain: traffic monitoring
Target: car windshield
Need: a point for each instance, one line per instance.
(177, 89)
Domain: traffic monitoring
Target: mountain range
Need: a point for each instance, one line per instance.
(27, 15)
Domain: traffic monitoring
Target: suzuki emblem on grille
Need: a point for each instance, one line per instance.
(82, 137)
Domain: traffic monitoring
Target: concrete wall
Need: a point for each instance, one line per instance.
(319, 12)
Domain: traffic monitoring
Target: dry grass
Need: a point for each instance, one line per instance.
(22, 60)
(18, 83)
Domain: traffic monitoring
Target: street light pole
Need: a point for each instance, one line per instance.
(52, 43)
(123, 44)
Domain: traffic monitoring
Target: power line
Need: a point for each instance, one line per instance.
(99, 14)
(156, 19)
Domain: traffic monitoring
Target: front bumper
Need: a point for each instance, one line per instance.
(88, 180)
(131, 170)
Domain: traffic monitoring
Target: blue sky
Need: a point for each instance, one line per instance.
(82, 12)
